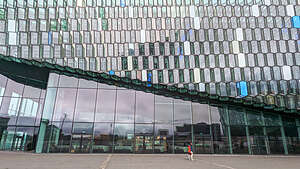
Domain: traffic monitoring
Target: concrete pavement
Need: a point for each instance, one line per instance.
(18, 160)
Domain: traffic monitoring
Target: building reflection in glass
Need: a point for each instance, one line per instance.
(81, 116)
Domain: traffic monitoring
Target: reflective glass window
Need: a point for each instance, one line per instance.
(65, 103)
(144, 107)
(85, 105)
(163, 109)
(66, 81)
(105, 106)
(13, 89)
(125, 106)
(123, 138)
(103, 137)
(163, 138)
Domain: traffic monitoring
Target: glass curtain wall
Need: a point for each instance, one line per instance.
(92, 117)
(20, 113)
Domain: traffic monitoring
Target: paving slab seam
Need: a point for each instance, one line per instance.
(105, 163)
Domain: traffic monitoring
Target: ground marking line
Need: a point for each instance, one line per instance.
(224, 166)
(218, 165)
(105, 163)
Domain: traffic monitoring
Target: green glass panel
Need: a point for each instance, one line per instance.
(161, 49)
(135, 62)
(176, 60)
(160, 76)
(186, 61)
(181, 76)
(2, 14)
(53, 25)
(171, 77)
(166, 62)
(141, 49)
(155, 62)
(104, 24)
(124, 63)
(145, 63)
(101, 12)
(151, 48)
(64, 25)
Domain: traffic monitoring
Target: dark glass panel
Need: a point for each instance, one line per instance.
(105, 106)
(7, 137)
(236, 116)
(31, 92)
(292, 139)
(10, 109)
(123, 138)
(125, 106)
(288, 121)
(28, 111)
(66, 81)
(61, 133)
(182, 137)
(85, 105)
(87, 84)
(163, 109)
(65, 103)
(103, 137)
(219, 130)
(163, 138)
(271, 119)
(239, 139)
(144, 107)
(13, 89)
(182, 112)
(275, 140)
(23, 140)
(254, 118)
(144, 138)
(258, 141)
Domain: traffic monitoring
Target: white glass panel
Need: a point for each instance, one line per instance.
(286, 70)
(255, 10)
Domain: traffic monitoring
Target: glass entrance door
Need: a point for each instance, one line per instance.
(144, 143)
(81, 143)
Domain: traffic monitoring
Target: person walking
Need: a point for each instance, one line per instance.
(190, 152)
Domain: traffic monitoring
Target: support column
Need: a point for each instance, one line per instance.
(265, 134)
(298, 127)
(247, 132)
(228, 130)
(283, 137)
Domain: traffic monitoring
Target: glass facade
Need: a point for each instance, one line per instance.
(241, 49)
(101, 118)
(225, 47)
(21, 108)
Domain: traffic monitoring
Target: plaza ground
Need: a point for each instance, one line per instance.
(16, 160)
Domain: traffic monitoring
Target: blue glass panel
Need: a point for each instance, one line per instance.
(122, 3)
(49, 38)
(242, 87)
(296, 21)
(111, 72)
